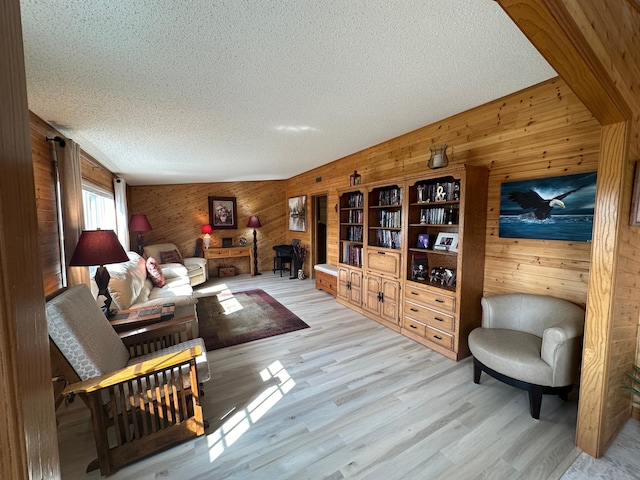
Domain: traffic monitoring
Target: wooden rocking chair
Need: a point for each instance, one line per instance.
(139, 405)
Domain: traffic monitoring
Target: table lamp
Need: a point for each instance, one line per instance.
(99, 247)
(139, 223)
(206, 231)
(254, 222)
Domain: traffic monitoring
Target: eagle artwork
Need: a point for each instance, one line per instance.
(541, 207)
(555, 208)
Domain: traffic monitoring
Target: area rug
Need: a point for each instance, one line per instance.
(229, 318)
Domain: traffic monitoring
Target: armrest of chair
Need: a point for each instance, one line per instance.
(559, 344)
(201, 262)
(138, 370)
(174, 270)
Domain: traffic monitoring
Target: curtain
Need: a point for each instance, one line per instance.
(70, 174)
(122, 217)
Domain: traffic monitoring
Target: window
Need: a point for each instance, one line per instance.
(99, 211)
(99, 208)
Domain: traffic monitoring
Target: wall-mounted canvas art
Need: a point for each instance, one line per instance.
(553, 208)
(298, 213)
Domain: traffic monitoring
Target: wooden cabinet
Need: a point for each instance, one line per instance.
(350, 286)
(382, 298)
(419, 267)
(444, 262)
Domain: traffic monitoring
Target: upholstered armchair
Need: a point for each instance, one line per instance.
(164, 254)
(142, 388)
(532, 342)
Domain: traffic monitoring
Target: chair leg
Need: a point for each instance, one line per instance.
(477, 371)
(535, 400)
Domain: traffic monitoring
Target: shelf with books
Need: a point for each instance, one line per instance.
(385, 217)
(352, 231)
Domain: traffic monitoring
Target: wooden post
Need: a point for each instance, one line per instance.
(28, 437)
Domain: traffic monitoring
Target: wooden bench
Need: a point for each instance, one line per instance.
(327, 278)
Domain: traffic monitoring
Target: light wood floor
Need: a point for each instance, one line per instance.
(346, 398)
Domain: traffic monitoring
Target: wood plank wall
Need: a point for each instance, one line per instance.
(539, 132)
(177, 212)
(44, 178)
(542, 131)
(95, 173)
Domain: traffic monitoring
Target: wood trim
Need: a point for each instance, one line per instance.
(551, 27)
(600, 298)
(28, 437)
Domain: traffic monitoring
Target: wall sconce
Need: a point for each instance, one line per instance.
(206, 231)
(438, 157)
(355, 178)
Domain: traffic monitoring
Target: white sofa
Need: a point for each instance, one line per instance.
(196, 266)
(131, 288)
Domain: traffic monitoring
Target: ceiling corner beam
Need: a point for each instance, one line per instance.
(552, 28)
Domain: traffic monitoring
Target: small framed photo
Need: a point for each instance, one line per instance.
(423, 240)
(446, 241)
(223, 212)
(227, 242)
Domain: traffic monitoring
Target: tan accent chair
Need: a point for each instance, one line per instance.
(532, 342)
(142, 388)
(196, 267)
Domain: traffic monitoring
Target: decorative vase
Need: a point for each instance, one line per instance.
(301, 274)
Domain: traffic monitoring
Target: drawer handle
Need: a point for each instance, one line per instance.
(413, 326)
(415, 293)
(437, 337)
(413, 309)
(382, 253)
(439, 300)
(438, 319)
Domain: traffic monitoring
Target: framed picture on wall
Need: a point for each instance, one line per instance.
(549, 208)
(298, 213)
(223, 212)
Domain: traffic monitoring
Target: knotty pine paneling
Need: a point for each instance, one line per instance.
(47, 210)
(94, 172)
(539, 132)
(177, 212)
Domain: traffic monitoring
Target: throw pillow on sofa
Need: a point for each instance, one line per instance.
(155, 272)
(172, 256)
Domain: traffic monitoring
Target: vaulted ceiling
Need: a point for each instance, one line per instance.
(231, 90)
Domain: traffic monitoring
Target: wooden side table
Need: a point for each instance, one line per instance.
(220, 253)
(139, 317)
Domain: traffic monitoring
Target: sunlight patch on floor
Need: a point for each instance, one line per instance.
(226, 299)
(238, 423)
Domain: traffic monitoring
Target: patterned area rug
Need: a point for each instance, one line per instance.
(229, 318)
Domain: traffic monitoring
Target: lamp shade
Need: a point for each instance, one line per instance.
(98, 247)
(139, 223)
(206, 229)
(254, 222)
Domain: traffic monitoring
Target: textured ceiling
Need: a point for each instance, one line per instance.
(215, 90)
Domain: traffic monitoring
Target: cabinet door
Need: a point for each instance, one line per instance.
(390, 305)
(372, 291)
(355, 290)
(344, 275)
